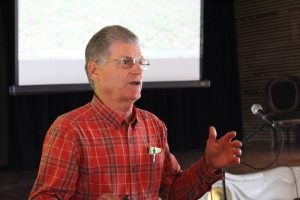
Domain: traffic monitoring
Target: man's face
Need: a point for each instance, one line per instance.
(116, 82)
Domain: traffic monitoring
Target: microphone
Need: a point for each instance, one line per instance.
(257, 110)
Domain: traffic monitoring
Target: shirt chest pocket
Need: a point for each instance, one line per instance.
(155, 151)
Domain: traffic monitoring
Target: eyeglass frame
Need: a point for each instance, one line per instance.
(133, 61)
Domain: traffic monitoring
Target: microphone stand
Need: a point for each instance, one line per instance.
(246, 140)
(224, 187)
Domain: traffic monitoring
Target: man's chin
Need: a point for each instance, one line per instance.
(133, 97)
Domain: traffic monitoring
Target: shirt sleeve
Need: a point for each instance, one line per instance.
(58, 171)
(188, 184)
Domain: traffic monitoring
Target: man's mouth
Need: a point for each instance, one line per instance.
(135, 83)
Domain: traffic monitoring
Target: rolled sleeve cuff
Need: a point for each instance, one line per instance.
(206, 175)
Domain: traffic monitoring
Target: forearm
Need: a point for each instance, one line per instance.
(191, 183)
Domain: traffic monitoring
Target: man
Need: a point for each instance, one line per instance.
(109, 149)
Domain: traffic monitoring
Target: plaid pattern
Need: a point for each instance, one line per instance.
(92, 150)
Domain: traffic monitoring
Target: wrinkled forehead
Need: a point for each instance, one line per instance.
(120, 48)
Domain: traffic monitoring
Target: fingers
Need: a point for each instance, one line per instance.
(236, 144)
(212, 133)
(235, 160)
(237, 152)
(229, 136)
(222, 152)
(234, 157)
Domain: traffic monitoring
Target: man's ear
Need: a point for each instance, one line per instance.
(93, 70)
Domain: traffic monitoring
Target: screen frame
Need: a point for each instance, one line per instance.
(17, 89)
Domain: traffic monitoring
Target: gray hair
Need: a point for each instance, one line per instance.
(98, 46)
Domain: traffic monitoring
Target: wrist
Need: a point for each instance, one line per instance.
(209, 164)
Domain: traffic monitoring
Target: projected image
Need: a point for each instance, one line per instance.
(52, 36)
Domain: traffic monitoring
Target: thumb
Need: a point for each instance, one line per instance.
(212, 133)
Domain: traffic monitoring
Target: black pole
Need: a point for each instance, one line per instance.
(224, 187)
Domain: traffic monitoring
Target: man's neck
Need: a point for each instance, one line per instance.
(123, 109)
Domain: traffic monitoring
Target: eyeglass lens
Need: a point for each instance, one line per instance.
(129, 61)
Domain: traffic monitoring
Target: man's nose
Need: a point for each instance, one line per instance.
(137, 68)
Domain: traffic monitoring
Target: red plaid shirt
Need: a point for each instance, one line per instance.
(92, 150)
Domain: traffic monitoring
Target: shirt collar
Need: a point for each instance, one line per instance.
(110, 116)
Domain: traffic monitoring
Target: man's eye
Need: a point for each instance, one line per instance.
(141, 61)
(125, 61)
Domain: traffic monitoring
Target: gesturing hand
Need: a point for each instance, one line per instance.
(223, 152)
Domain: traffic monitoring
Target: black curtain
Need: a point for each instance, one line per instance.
(3, 95)
(187, 112)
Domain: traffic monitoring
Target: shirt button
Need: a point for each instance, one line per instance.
(131, 140)
(133, 169)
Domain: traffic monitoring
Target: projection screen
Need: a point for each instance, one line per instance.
(51, 37)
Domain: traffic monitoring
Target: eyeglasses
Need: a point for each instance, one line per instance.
(128, 62)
